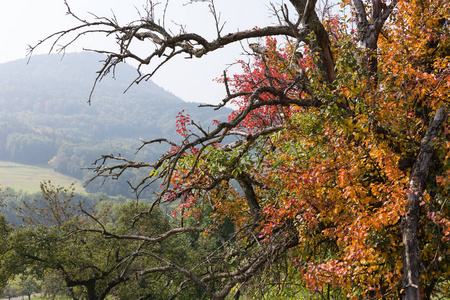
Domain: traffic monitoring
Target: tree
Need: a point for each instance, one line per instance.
(11, 291)
(62, 241)
(340, 159)
(29, 286)
(52, 241)
(53, 286)
(5, 230)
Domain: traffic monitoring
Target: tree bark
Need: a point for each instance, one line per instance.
(417, 182)
(252, 200)
(369, 29)
(91, 294)
(309, 18)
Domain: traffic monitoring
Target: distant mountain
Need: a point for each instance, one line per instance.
(45, 118)
(52, 85)
(57, 74)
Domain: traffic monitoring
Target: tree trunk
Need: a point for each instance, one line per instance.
(306, 9)
(91, 294)
(244, 181)
(417, 182)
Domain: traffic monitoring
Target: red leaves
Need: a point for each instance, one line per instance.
(182, 122)
(269, 69)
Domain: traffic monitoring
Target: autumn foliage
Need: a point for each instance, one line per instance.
(334, 168)
(340, 172)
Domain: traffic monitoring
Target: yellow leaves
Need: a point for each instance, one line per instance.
(444, 181)
(348, 125)
(413, 58)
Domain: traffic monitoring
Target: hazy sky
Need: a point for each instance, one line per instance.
(24, 22)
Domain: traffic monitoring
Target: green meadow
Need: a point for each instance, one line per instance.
(28, 178)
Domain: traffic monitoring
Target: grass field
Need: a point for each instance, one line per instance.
(28, 178)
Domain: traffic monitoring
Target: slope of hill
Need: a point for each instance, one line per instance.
(45, 118)
(28, 178)
(56, 87)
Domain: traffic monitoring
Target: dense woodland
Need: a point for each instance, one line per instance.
(331, 179)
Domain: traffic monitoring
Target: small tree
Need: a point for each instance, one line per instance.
(29, 286)
(11, 291)
(53, 285)
(5, 231)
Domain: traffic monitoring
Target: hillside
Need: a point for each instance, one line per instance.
(28, 178)
(45, 117)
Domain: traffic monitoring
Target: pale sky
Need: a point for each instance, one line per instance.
(24, 22)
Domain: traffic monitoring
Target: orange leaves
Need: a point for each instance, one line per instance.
(340, 190)
(415, 50)
(334, 173)
(444, 180)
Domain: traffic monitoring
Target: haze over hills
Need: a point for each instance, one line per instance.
(45, 118)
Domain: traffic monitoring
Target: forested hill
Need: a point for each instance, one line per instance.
(45, 117)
